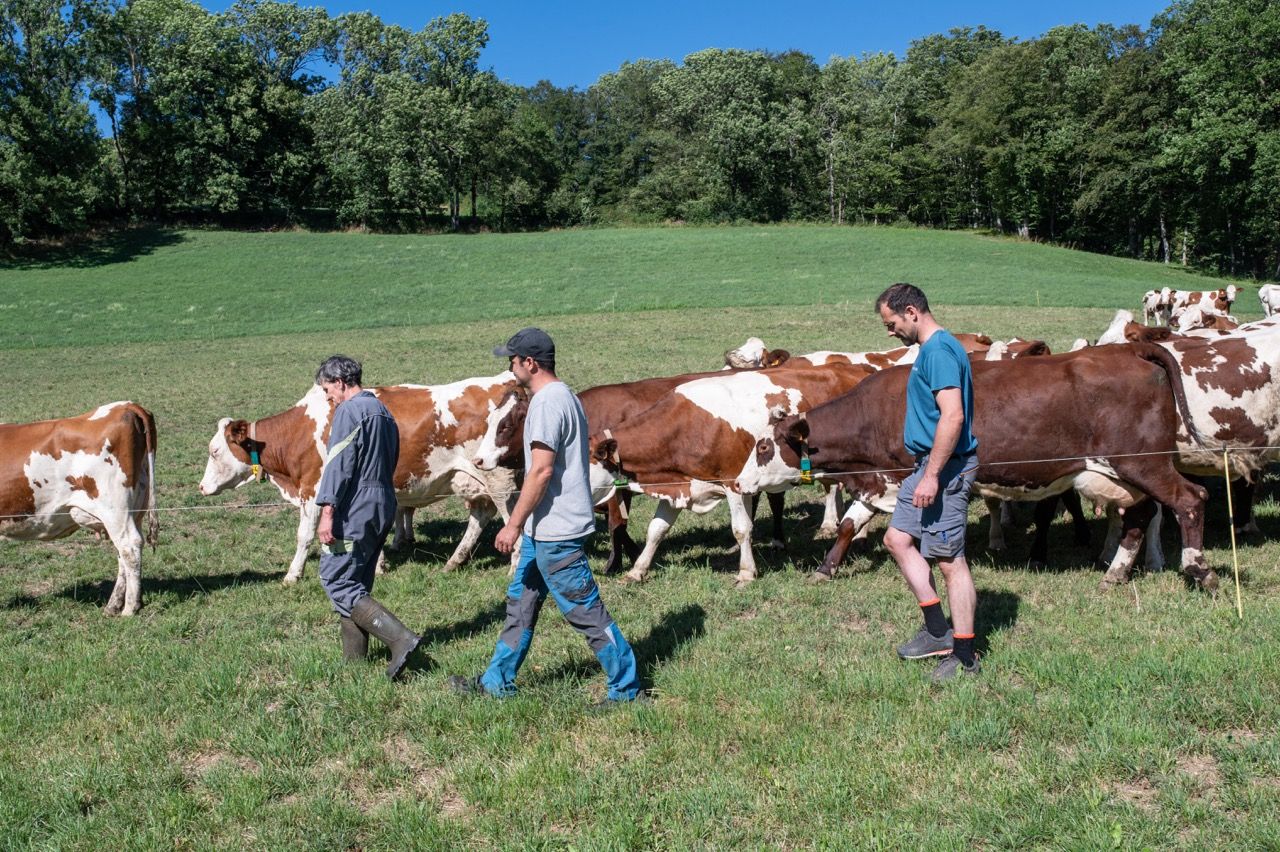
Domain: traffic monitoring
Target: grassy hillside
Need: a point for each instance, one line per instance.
(222, 717)
(200, 285)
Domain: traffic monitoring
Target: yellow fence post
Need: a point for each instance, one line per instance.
(1231, 520)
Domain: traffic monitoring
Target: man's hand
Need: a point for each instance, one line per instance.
(508, 538)
(926, 491)
(325, 529)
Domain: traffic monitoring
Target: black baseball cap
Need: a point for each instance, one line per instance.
(528, 342)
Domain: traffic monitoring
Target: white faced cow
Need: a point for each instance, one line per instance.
(440, 429)
(95, 471)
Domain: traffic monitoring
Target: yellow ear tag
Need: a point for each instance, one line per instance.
(806, 472)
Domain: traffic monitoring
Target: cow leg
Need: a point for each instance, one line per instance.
(995, 529)
(403, 529)
(126, 596)
(1133, 522)
(481, 511)
(618, 509)
(1155, 551)
(741, 521)
(1112, 542)
(832, 510)
(853, 525)
(307, 523)
(1046, 510)
(1242, 491)
(1188, 508)
(1079, 523)
(663, 518)
(777, 507)
(504, 505)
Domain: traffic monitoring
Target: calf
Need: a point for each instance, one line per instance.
(96, 471)
(1032, 443)
(1155, 306)
(440, 429)
(1269, 296)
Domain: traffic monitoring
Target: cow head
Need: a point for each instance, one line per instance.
(753, 355)
(776, 463)
(503, 440)
(228, 465)
(606, 466)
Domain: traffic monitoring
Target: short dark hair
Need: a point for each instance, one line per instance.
(548, 364)
(339, 368)
(899, 296)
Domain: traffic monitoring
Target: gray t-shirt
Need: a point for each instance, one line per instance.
(556, 419)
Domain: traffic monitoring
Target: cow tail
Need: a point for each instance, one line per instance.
(1164, 358)
(153, 515)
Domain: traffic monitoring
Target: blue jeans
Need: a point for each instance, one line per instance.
(559, 567)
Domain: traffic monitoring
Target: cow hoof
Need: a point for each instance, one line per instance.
(450, 566)
(289, 581)
(1107, 584)
(630, 580)
(743, 582)
(1208, 582)
(112, 609)
(825, 532)
(817, 578)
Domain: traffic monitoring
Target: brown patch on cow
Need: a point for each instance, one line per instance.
(470, 410)
(87, 484)
(973, 342)
(881, 360)
(1140, 793)
(1205, 360)
(1235, 426)
(17, 497)
(780, 399)
(1138, 333)
(764, 451)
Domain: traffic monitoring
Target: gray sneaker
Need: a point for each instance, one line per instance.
(951, 666)
(925, 644)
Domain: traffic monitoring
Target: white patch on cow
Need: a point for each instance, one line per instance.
(445, 394)
(56, 497)
(488, 452)
(902, 355)
(1115, 331)
(317, 409)
(1079, 344)
(736, 399)
(103, 410)
(998, 351)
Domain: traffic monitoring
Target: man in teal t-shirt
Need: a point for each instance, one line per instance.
(933, 504)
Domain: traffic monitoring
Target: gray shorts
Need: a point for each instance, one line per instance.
(939, 527)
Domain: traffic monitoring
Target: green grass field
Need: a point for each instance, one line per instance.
(222, 717)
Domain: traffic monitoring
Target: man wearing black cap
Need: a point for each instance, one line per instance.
(550, 523)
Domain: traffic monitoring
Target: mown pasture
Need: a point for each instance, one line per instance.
(221, 715)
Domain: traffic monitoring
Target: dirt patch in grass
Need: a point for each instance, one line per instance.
(1203, 770)
(202, 762)
(427, 779)
(1242, 737)
(1139, 792)
(854, 624)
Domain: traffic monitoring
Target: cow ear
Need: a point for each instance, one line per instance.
(238, 431)
(777, 413)
(606, 449)
(777, 358)
(797, 430)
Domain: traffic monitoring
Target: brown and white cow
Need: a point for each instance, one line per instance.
(687, 449)
(440, 429)
(1032, 443)
(1155, 306)
(1210, 301)
(1269, 296)
(606, 407)
(96, 471)
(753, 354)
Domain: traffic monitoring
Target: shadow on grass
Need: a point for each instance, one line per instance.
(997, 610)
(675, 629)
(112, 247)
(490, 615)
(182, 587)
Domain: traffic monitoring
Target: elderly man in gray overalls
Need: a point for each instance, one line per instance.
(358, 507)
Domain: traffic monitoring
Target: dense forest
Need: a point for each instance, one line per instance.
(1159, 142)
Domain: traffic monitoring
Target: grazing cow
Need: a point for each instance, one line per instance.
(687, 449)
(1211, 301)
(440, 429)
(1198, 317)
(96, 471)
(1269, 296)
(1032, 443)
(753, 355)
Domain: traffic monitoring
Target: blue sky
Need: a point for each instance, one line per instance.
(573, 42)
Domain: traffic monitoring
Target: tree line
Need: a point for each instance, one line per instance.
(1160, 142)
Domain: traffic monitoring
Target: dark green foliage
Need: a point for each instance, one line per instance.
(1158, 142)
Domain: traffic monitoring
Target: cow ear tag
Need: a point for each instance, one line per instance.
(806, 471)
(255, 465)
(621, 482)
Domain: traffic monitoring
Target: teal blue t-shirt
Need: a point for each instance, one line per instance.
(942, 363)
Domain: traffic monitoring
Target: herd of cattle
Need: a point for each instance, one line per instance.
(1122, 422)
